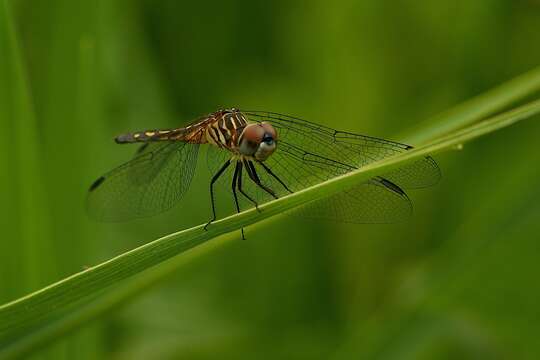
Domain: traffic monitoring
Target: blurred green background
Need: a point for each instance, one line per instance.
(458, 280)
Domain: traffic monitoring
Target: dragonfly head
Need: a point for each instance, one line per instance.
(258, 140)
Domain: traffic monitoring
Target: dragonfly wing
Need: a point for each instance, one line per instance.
(371, 203)
(353, 150)
(309, 153)
(378, 200)
(152, 182)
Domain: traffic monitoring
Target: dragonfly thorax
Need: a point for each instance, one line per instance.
(258, 140)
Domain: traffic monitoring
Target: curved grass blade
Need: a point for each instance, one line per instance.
(476, 108)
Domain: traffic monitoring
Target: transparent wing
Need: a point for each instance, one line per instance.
(377, 201)
(309, 153)
(369, 203)
(152, 182)
(320, 143)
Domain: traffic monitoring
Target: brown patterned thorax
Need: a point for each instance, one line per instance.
(225, 128)
(222, 129)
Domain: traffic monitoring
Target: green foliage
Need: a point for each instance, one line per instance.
(454, 281)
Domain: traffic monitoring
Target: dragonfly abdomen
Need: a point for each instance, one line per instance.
(149, 135)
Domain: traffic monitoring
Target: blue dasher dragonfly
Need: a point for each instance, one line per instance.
(259, 156)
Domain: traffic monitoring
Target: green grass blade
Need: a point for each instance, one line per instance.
(23, 210)
(477, 108)
(41, 316)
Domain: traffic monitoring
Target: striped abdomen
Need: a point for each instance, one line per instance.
(193, 133)
(150, 135)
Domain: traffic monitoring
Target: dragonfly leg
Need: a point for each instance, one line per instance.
(235, 177)
(141, 148)
(240, 165)
(252, 172)
(269, 171)
(214, 179)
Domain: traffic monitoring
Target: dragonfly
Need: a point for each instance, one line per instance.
(258, 156)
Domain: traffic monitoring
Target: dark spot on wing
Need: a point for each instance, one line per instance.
(391, 186)
(97, 183)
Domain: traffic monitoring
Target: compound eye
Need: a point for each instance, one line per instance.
(250, 139)
(253, 133)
